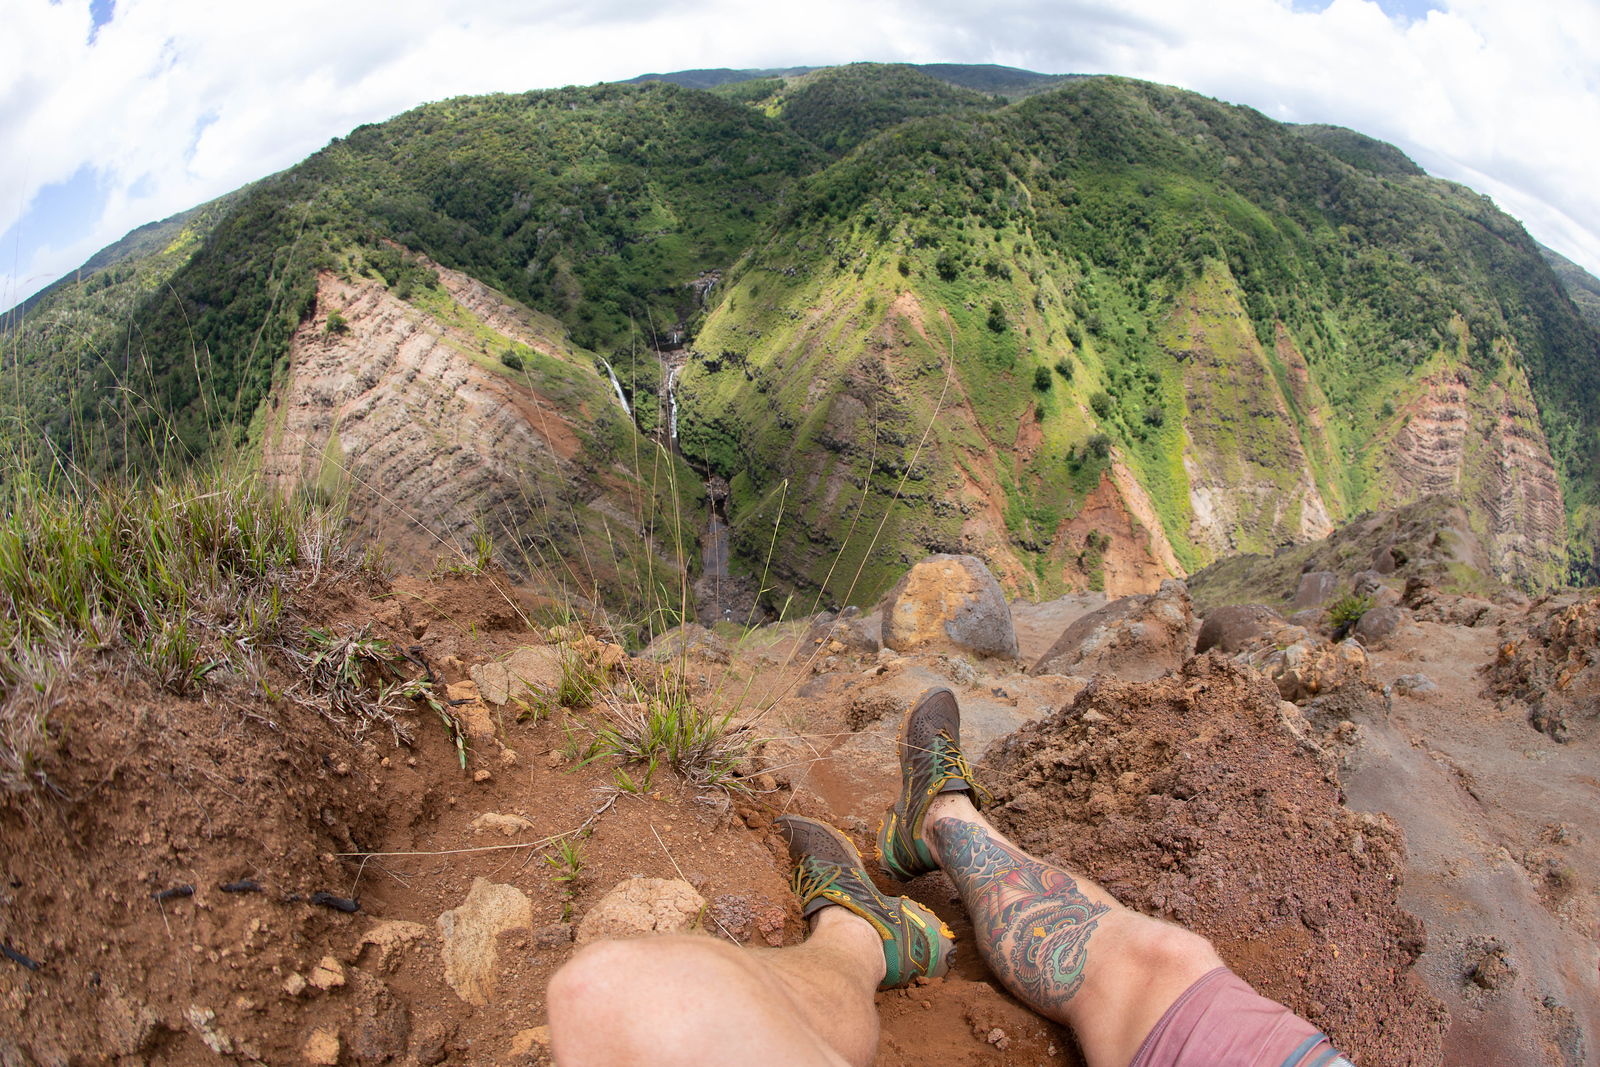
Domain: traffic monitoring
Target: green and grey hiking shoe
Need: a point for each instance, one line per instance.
(930, 763)
(828, 871)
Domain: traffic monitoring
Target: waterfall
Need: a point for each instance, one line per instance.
(618, 387)
(672, 406)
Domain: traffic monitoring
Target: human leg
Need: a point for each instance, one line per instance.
(696, 1000)
(1061, 943)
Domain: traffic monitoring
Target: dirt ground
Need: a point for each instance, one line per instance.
(1302, 866)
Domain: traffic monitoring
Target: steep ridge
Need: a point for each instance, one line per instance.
(458, 414)
(1240, 314)
(1481, 441)
(1250, 481)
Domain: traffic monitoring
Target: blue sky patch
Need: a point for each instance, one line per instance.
(100, 13)
(61, 214)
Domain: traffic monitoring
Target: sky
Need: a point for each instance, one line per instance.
(114, 113)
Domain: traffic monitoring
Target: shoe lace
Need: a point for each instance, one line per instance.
(956, 765)
(812, 879)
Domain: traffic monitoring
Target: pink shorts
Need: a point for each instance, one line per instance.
(1221, 1022)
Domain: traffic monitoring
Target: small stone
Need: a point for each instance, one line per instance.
(295, 984)
(639, 907)
(201, 1018)
(766, 783)
(506, 825)
(342, 769)
(554, 758)
(525, 1040)
(998, 1038)
(554, 936)
(392, 935)
(327, 974)
(482, 775)
(322, 1048)
(429, 1045)
(508, 758)
(469, 933)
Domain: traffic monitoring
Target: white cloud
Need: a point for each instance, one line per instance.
(179, 101)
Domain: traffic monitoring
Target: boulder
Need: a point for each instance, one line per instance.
(469, 933)
(638, 907)
(1370, 584)
(852, 630)
(1136, 638)
(536, 667)
(1316, 587)
(1418, 684)
(949, 601)
(1311, 666)
(1235, 628)
(1377, 625)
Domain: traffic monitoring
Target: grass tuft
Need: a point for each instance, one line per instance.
(176, 576)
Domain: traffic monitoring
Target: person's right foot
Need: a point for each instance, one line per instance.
(828, 870)
(930, 763)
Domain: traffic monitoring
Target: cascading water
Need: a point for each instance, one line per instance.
(618, 387)
(672, 406)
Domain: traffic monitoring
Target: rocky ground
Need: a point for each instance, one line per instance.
(1397, 840)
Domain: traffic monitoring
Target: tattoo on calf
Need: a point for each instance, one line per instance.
(1032, 921)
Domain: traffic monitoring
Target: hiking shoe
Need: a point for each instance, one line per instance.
(828, 870)
(930, 763)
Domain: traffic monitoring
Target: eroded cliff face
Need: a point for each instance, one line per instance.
(1250, 484)
(408, 408)
(426, 438)
(1479, 439)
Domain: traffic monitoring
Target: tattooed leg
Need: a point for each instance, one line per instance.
(1061, 943)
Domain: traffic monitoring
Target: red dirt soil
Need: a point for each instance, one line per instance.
(1188, 797)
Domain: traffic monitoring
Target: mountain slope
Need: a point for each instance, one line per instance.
(1111, 332)
(1227, 295)
(1581, 286)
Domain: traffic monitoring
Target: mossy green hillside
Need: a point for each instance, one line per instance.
(1096, 224)
(1108, 227)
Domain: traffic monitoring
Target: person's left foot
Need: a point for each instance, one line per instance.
(828, 870)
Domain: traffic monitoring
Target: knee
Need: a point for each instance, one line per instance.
(1164, 948)
(614, 996)
(584, 982)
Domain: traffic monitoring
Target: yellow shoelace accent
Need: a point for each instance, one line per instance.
(956, 757)
(809, 882)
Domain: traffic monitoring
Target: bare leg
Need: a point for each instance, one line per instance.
(1061, 943)
(695, 1000)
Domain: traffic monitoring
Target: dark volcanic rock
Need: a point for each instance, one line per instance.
(1236, 627)
(1315, 588)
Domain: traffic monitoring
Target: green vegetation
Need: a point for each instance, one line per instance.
(1206, 284)
(840, 107)
(1348, 608)
(173, 578)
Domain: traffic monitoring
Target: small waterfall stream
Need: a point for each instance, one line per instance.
(672, 408)
(618, 387)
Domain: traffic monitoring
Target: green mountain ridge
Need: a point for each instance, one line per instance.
(1164, 328)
